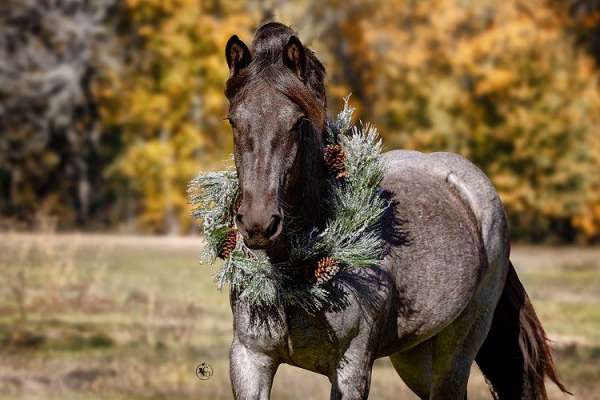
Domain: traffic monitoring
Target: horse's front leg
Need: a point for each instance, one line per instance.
(251, 372)
(353, 374)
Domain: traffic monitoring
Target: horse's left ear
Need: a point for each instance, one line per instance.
(294, 57)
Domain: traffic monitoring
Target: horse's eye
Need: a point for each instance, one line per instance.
(298, 124)
(231, 122)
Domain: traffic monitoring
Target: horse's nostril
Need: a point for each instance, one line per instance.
(274, 225)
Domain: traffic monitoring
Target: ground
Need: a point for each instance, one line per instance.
(119, 317)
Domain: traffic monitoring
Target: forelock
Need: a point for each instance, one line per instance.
(267, 66)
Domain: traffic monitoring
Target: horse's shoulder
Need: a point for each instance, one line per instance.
(432, 192)
(439, 263)
(404, 168)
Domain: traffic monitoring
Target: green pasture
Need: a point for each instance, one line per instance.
(119, 317)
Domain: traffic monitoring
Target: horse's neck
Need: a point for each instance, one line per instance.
(307, 205)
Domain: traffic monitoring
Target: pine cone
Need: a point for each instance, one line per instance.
(228, 244)
(335, 160)
(327, 267)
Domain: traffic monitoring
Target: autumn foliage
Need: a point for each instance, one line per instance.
(512, 85)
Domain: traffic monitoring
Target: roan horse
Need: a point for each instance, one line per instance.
(446, 293)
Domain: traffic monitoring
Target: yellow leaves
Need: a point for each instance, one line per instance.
(177, 80)
(494, 80)
(168, 103)
(497, 81)
(159, 169)
(590, 20)
(501, 83)
(133, 3)
(179, 45)
(414, 57)
(143, 108)
(164, 6)
(146, 161)
(586, 67)
(517, 198)
(588, 220)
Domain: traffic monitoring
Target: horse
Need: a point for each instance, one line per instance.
(446, 293)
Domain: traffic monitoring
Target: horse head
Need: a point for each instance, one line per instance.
(277, 113)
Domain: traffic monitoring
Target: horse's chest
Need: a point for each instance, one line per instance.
(317, 342)
(313, 342)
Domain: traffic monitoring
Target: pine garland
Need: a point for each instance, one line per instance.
(350, 239)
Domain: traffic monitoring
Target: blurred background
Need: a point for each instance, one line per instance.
(109, 107)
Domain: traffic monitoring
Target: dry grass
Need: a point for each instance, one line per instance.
(118, 317)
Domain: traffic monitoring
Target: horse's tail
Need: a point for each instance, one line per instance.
(515, 357)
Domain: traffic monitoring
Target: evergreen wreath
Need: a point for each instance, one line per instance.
(351, 237)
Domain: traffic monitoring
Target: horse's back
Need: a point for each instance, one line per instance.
(446, 231)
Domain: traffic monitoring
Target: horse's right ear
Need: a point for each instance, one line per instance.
(237, 55)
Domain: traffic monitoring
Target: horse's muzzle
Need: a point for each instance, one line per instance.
(258, 232)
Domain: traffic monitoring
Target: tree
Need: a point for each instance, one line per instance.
(50, 146)
(126, 97)
(168, 103)
(502, 84)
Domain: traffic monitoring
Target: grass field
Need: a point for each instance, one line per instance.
(111, 317)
